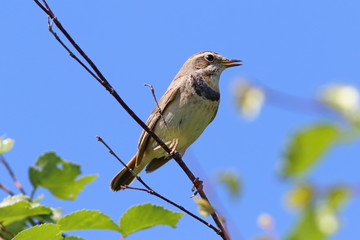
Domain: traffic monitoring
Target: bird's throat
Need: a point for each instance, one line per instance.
(202, 89)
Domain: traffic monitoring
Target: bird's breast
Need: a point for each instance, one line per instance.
(190, 113)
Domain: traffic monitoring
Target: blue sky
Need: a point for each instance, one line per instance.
(49, 103)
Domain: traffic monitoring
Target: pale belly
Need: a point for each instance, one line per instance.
(185, 119)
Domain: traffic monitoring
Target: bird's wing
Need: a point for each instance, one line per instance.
(153, 119)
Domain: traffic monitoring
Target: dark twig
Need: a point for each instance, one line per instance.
(4, 229)
(8, 191)
(122, 163)
(157, 103)
(150, 190)
(10, 171)
(102, 80)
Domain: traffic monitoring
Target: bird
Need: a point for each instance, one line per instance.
(187, 107)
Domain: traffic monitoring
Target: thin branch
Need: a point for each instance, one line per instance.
(10, 171)
(122, 163)
(157, 103)
(151, 191)
(4, 229)
(102, 80)
(8, 191)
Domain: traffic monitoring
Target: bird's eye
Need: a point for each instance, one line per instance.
(209, 58)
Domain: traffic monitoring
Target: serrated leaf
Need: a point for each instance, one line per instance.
(86, 219)
(145, 216)
(58, 176)
(18, 207)
(50, 218)
(6, 145)
(40, 232)
(300, 196)
(306, 148)
(73, 238)
(204, 207)
(231, 181)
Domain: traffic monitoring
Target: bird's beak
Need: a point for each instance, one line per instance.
(231, 63)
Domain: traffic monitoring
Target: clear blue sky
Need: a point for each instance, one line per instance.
(49, 103)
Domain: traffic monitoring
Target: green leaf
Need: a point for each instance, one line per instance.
(6, 145)
(18, 207)
(204, 207)
(40, 232)
(307, 228)
(231, 181)
(58, 176)
(73, 238)
(87, 219)
(337, 196)
(50, 218)
(145, 216)
(307, 147)
(301, 196)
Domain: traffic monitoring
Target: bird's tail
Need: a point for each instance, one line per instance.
(125, 177)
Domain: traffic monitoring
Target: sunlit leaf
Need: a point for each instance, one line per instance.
(145, 216)
(341, 97)
(204, 207)
(53, 217)
(306, 147)
(300, 196)
(307, 227)
(326, 220)
(86, 219)
(6, 145)
(231, 181)
(18, 207)
(58, 176)
(250, 99)
(40, 232)
(337, 196)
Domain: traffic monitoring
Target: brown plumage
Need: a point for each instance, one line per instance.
(188, 106)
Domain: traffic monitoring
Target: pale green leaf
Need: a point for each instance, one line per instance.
(40, 232)
(307, 227)
(86, 219)
(18, 207)
(6, 145)
(145, 216)
(306, 148)
(58, 176)
(337, 196)
(204, 207)
(231, 181)
(301, 196)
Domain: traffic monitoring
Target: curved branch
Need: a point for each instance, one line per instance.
(95, 72)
